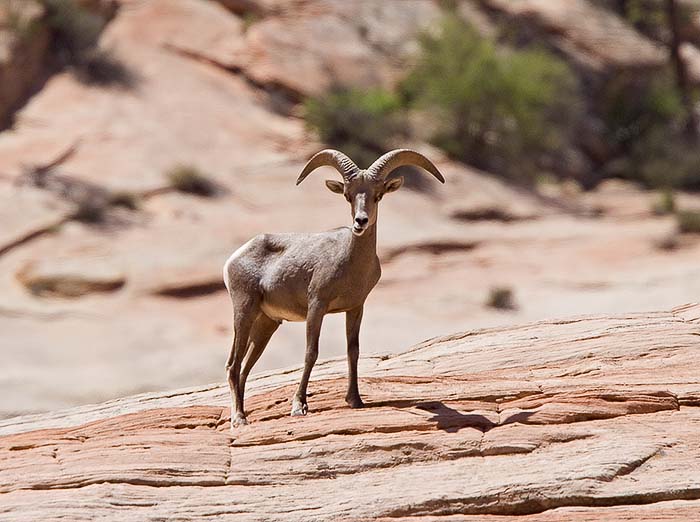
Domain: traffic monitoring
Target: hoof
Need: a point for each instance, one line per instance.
(299, 409)
(238, 421)
(355, 402)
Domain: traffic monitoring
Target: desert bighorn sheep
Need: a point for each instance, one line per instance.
(297, 277)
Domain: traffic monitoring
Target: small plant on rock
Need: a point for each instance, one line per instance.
(688, 221)
(90, 211)
(665, 203)
(75, 29)
(668, 242)
(501, 298)
(189, 179)
(75, 32)
(124, 199)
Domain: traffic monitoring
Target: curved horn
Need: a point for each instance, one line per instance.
(390, 161)
(332, 158)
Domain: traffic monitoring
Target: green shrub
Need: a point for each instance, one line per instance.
(101, 67)
(124, 199)
(500, 110)
(249, 19)
(90, 211)
(75, 33)
(189, 179)
(361, 123)
(688, 221)
(501, 298)
(665, 203)
(632, 105)
(75, 29)
(663, 157)
(644, 119)
(650, 17)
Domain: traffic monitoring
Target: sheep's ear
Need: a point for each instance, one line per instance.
(393, 185)
(335, 186)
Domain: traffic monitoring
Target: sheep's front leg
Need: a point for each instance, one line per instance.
(353, 318)
(314, 319)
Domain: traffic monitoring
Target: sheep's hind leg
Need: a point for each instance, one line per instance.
(260, 335)
(244, 313)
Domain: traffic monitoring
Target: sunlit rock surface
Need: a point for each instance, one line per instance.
(590, 418)
(215, 85)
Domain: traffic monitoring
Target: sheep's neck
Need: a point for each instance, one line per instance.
(364, 247)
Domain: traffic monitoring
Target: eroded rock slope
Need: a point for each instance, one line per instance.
(591, 418)
(89, 312)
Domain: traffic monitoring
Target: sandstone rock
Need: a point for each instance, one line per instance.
(691, 57)
(195, 104)
(186, 283)
(27, 213)
(328, 44)
(603, 42)
(593, 418)
(54, 277)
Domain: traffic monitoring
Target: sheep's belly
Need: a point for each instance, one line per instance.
(279, 313)
(298, 313)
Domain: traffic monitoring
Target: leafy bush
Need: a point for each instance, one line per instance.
(189, 179)
(360, 123)
(90, 211)
(502, 111)
(665, 204)
(632, 105)
(653, 149)
(515, 112)
(249, 19)
(101, 67)
(688, 221)
(501, 298)
(124, 199)
(75, 28)
(75, 32)
(666, 158)
(650, 17)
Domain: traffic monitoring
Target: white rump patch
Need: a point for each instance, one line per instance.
(238, 253)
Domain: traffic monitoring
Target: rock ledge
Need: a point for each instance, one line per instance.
(591, 418)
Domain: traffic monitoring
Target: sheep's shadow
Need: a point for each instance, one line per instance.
(450, 420)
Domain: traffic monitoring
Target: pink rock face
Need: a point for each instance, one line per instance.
(206, 94)
(593, 418)
(604, 41)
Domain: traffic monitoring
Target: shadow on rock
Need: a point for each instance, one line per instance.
(451, 420)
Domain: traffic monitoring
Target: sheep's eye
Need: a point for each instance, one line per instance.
(347, 197)
(378, 197)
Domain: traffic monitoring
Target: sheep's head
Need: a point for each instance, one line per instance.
(363, 189)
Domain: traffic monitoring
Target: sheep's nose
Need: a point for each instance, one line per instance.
(361, 220)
